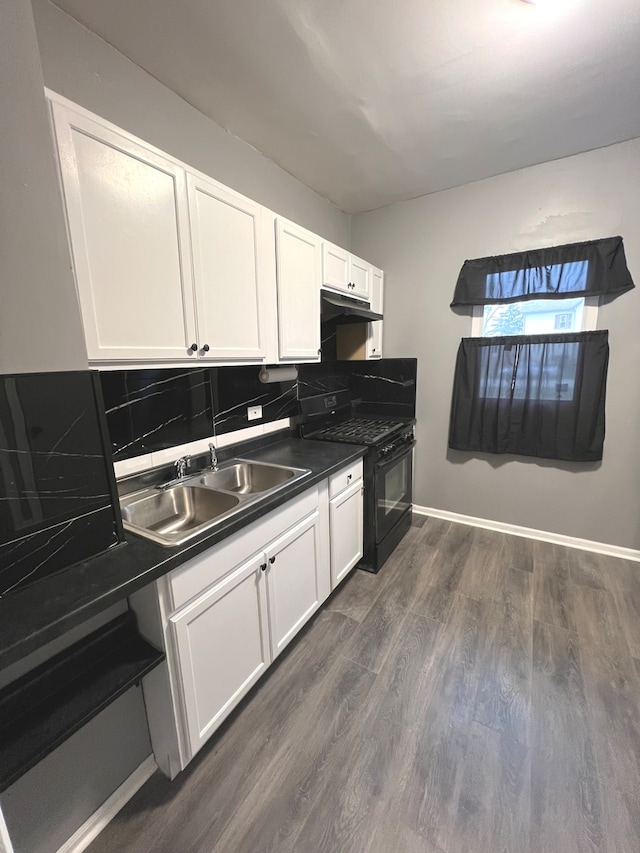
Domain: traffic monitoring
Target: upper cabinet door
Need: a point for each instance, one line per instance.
(335, 268)
(227, 244)
(374, 338)
(345, 272)
(360, 278)
(128, 224)
(299, 272)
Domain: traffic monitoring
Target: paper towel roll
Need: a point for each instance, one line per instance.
(278, 374)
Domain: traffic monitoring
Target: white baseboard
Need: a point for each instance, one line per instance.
(90, 829)
(530, 533)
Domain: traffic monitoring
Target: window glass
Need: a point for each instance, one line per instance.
(534, 317)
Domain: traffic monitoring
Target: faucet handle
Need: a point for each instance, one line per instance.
(213, 454)
(181, 465)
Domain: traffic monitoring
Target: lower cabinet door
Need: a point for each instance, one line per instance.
(222, 643)
(293, 566)
(345, 520)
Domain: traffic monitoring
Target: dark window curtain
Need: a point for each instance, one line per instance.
(530, 395)
(596, 268)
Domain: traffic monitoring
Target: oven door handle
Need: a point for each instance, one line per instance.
(406, 448)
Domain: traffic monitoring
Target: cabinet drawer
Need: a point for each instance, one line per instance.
(209, 567)
(344, 478)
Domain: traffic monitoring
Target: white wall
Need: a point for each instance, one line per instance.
(421, 245)
(85, 69)
(39, 317)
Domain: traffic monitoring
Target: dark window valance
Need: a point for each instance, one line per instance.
(595, 268)
(533, 395)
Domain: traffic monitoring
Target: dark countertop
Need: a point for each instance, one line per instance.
(47, 609)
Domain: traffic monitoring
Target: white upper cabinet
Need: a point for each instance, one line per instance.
(227, 242)
(345, 272)
(172, 266)
(374, 337)
(335, 267)
(298, 274)
(128, 225)
(169, 264)
(360, 278)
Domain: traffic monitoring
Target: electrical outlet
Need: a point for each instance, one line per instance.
(254, 413)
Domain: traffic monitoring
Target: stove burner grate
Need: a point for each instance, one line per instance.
(358, 430)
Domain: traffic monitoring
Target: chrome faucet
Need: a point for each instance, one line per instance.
(181, 466)
(214, 456)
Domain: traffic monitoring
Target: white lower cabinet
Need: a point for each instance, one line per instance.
(345, 519)
(346, 493)
(293, 581)
(222, 647)
(223, 616)
(226, 614)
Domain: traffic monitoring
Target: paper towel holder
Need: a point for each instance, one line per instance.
(278, 374)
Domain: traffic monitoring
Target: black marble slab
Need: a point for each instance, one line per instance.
(154, 409)
(385, 386)
(47, 705)
(57, 491)
(237, 388)
(38, 614)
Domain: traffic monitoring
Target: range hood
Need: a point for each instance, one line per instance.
(345, 309)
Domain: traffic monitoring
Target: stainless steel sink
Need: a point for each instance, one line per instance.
(177, 514)
(170, 514)
(249, 478)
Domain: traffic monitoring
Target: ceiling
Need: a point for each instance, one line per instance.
(374, 101)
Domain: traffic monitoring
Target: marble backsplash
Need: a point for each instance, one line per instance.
(151, 410)
(56, 482)
(385, 386)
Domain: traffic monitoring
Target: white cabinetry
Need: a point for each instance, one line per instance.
(293, 581)
(222, 647)
(298, 273)
(345, 272)
(128, 224)
(164, 273)
(222, 618)
(345, 521)
(374, 335)
(227, 237)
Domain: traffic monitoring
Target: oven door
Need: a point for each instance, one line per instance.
(393, 478)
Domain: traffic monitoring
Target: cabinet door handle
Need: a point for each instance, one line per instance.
(263, 567)
(205, 348)
(349, 477)
(272, 560)
(194, 347)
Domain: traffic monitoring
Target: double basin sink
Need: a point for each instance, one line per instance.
(172, 514)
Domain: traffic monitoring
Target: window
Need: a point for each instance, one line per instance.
(532, 378)
(538, 395)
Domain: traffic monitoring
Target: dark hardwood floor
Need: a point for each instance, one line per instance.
(481, 693)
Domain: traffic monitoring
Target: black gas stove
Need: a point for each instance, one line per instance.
(359, 430)
(388, 472)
